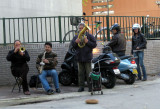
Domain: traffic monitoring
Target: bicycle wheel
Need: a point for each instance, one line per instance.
(69, 35)
(101, 34)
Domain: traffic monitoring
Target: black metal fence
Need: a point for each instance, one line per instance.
(63, 28)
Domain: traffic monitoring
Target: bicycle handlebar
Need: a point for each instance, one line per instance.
(84, 19)
(98, 22)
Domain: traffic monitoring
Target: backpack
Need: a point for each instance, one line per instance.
(33, 81)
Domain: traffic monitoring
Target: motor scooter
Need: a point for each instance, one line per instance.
(128, 69)
(106, 63)
(69, 73)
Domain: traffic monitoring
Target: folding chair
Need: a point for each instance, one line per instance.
(17, 83)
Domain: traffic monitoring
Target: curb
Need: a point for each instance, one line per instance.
(35, 99)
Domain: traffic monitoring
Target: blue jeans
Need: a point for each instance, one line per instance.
(44, 81)
(139, 62)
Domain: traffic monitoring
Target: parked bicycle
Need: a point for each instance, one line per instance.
(151, 28)
(74, 22)
(100, 32)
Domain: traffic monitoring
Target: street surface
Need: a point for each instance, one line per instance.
(141, 95)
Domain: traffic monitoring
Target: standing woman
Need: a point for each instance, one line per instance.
(138, 45)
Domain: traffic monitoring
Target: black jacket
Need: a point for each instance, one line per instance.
(139, 41)
(51, 57)
(118, 43)
(16, 59)
(85, 54)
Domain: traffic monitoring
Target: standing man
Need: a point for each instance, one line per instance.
(84, 56)
(118, 42)
(19, 67)
(138, 45)
(48, 60)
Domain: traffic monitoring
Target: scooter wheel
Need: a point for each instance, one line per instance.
(132, 78)
(65, 78)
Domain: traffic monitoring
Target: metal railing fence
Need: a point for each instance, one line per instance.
(63, 28)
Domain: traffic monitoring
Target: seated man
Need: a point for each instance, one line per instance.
(46, 63)
(19, 67)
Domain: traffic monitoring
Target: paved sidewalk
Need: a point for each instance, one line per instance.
(38, 95)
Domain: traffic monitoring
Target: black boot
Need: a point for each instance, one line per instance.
(81, 89)
(89, 89)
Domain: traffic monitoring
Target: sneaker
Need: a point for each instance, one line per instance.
(81, 89)
(50, 92)
(58, 90)
(27, 93)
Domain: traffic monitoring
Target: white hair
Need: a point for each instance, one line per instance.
(81, 24)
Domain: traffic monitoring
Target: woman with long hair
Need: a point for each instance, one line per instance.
(138, 45)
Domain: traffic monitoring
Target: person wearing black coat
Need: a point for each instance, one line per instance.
(19, 66)
(138, 45)
(84, 56)
(118, 42)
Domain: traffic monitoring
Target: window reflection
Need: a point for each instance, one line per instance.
(100, 1)
(102, 12)
(102, 6)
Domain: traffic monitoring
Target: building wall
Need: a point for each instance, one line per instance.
(136, 8)
(151, 58)
(127, 8)
(34, 8)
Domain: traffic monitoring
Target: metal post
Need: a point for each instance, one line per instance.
(108, 30)
(4, 32)
(60, 32)
(108, 7)
(143, 24)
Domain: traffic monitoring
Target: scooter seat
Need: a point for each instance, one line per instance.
(125, 57)
(98, 58)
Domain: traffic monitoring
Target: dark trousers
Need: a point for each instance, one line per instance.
(84, 68)
(21, 72)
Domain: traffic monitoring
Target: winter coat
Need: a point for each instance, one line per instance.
(138, 41)
(51, 57)
(16, 59)
(118, 43)
(84, 54)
